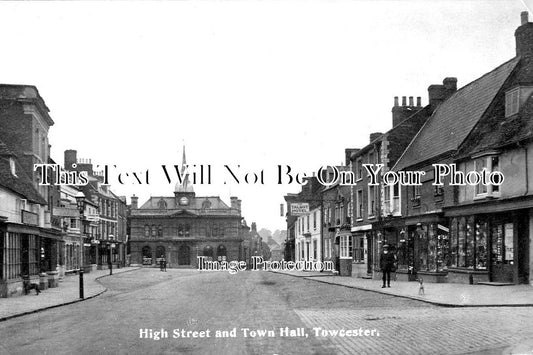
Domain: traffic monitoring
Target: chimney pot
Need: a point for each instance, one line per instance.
(404, 100)
(524, 17)
(418, 101)
(411, 101)
(395, 100)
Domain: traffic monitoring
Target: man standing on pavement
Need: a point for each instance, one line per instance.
(388, 264)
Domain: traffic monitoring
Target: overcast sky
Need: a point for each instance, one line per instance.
(250, 83)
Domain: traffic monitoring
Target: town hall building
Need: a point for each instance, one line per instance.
(184, 226)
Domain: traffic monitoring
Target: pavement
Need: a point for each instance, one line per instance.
(66, 293)
(442, 294)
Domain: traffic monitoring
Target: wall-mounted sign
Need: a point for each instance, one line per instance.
(299, 209)
(30, 218)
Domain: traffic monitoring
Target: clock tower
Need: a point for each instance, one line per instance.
(184, 192)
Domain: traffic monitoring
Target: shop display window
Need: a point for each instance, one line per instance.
(461, 250)
(470, 243)
(481, 245)
(443, 250)
(432, 248)
(422, 248)
(453, 243)
(402, 253)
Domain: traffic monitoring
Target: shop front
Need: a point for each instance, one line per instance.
(421, 245)
(362, 251)
(490, 247)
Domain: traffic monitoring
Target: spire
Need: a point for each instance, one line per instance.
(185, 186)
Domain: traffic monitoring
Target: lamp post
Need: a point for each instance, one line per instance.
(80, 201)
(110, 261)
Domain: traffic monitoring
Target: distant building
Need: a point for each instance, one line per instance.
(184, 226)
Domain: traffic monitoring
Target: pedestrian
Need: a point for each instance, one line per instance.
(161, 263)
(388, 264)
(164, 264)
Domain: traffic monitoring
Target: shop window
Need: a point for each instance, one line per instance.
(443, 248)
(422, 233)
(481, 245)
(359, 249)
(470, 244)
(502, 244)
(403, 250)
(345, 246)
(432, 248)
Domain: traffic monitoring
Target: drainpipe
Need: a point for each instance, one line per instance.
(526, 172)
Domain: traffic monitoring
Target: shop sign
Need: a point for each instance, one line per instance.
(30, 218)
(299, 209)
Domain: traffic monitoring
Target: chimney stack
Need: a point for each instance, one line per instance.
(400, 113)
(450, 84)
(524, 36)
(374, 136)
(235, 203)
(71, 157)
(348, 152)
(134, 202)
(439, 93)
(418, 101)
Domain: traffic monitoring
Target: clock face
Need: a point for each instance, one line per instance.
(184, 201)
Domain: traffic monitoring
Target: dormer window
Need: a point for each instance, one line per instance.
(13, 167)
(512, 102)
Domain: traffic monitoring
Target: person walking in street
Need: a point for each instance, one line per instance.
(162, 264)
(388, 264)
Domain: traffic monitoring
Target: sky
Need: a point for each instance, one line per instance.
(247, 84)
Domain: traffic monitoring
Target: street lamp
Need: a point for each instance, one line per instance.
(80, 201)
(110, 261)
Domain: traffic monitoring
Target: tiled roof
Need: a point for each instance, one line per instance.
(453, 120)
(20, 184)
(496, 131)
